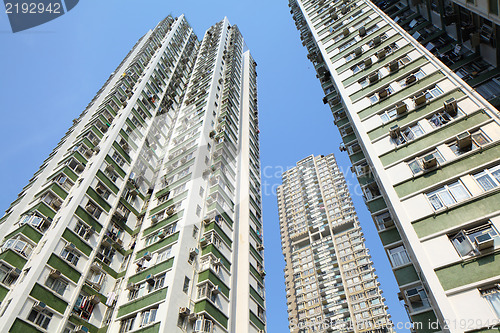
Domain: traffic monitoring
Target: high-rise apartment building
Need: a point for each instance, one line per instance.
(147, 215)
(462, 34)
(331, 284)
(424, 146)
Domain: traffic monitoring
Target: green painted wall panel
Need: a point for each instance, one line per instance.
(65, 268)
(470, 271)
(218, 254)
(79, 321)
(150, 329)
(256, 274)
(20, 326)
(406, 275)
(13, 258)
(87, 218)
(257, 297)
(220, 232)
(390, 236)
(481, 206)
(122, 152)
(462, 165)
(118, 169)
(168, 203)
(427, 322)
(143, 302)
(209, 275)
(107, 181)
(3, 292)
(44, 210)
(413, 89)
(156, 246)
(376, 205)
(256, 254)
(163, 223)
(79, 243)
(256, 321)
(42, 294)
(411, 116)
(28, 231)
(205, 305)
(98, 199)
(153, 271)
(438, 135)
(372, 88)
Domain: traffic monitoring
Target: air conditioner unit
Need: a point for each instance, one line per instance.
(146, 256)
(203, 241)
(362, 31)
(154, 218)
(217, 262)
(401, 108)
(394, 131)
(81, 329)
(150, 279)
(450, 106)
(381, 54)
(464, 141)
(394, 66)
(368, 62)
(373, 77)
(216, 290)
(39, 305)
(161, 234)
(55, 273)
(484, 241)
(358, 51)
(194, 251)
(345, 32)
(131, 286)
(170, 211)
(410, 79)
(412, 295)
(383, 93)
(110, 168)
(429, 161)
(420, 99)
(260, 247)
(262, 272)
(184, 311)
(388, 222)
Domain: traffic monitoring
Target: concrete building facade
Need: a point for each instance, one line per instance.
(331, 285)
(424, 146)
(147, 215)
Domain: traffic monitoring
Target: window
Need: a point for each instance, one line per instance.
(408, 134)
(92, 209)
(40, 318)
(8, 275)
(57, 285)
(492, 295)
(82, 230)
(203, 325)
(148, 317)
(489, 178)
(70, 256)
(418, 164)
(185, 288)
(118, 159)
(388, 115)
(478, 139)
(195, 232)
(398, 256)
(448, 195)
(18, 244)
(163, 255)
(466, 241)
(198, 210)
(127, 324)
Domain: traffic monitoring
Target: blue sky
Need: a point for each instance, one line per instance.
(51, 72)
